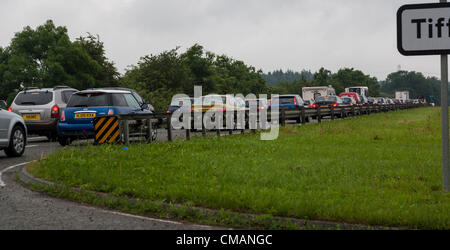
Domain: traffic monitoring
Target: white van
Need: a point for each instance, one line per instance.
(312, 93)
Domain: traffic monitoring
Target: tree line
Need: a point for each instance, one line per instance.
(46, 57)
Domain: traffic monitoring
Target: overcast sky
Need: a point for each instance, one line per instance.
(268, 34)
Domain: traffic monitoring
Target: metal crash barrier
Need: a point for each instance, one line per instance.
(123, 128)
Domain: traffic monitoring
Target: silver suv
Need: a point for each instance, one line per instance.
(13, 132)
(41, 108)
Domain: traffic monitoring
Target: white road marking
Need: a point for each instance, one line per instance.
(2, 184)
(31, 146)
(149, 219)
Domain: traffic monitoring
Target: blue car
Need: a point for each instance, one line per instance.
(77, 119)
(288, 102)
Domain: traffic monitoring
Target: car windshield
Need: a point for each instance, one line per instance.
(34, 98)
(89, 100)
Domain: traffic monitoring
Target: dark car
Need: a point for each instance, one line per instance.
(286, 102)
(178, 103)
(372, 101)
(328, 101)
(348, 101)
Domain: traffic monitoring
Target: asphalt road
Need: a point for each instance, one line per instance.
(21, 208)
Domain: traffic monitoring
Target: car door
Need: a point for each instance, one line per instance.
(4, 126)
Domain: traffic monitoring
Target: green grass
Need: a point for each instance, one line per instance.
(383, 169)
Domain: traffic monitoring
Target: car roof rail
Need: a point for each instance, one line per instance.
(61, 87)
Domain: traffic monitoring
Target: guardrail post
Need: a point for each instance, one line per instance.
(283, 118)
(302, 114)
(188, 134)
(353, 110)
(126, 132)
(319, 115)
(149, 130)
(169, 127)
(332, 113)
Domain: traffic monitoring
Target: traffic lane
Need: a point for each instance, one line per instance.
(33, 151)
(23, 209)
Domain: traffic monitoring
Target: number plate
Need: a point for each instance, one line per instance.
(324, 106)
(85, 116)
(32, 117)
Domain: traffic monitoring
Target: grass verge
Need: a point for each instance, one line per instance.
(382, 169)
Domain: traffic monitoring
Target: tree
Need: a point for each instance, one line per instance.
(107, 75)
(45, 57)
(159, 77)
(416, 83)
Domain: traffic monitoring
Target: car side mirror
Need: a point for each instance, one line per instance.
(3, 104)
(145, 105)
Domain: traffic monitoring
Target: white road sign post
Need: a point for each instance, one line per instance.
(424, 29)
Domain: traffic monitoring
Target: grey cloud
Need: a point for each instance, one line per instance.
(268, 34)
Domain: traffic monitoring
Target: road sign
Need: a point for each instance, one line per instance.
(424, 29)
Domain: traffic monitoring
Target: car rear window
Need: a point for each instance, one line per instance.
(326, 99)
(89, 100)
(286, 100)
(34, 98)
(347, 100)
(66, 95)
(259, 103)
(179, 102)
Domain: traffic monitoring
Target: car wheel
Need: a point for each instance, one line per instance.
(16, 142)
(52, 137)
(64, 141)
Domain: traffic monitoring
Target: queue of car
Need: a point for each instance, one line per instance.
(63, 113)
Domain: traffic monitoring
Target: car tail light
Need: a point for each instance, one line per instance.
(191, 111)
(55, 112)
(261, 108)
(334, 105)
(10, 109)
(295, 101)
(63, 117)
(310, 106)
(315, 106)
(111, 112)
(223, 110)
(168, 112)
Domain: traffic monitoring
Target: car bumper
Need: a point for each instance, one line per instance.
(41, 126)
(86, 130)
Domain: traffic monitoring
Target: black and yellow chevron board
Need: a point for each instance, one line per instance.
(106, 129)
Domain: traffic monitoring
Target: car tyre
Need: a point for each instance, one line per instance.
(16, 143)
(64, 140)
